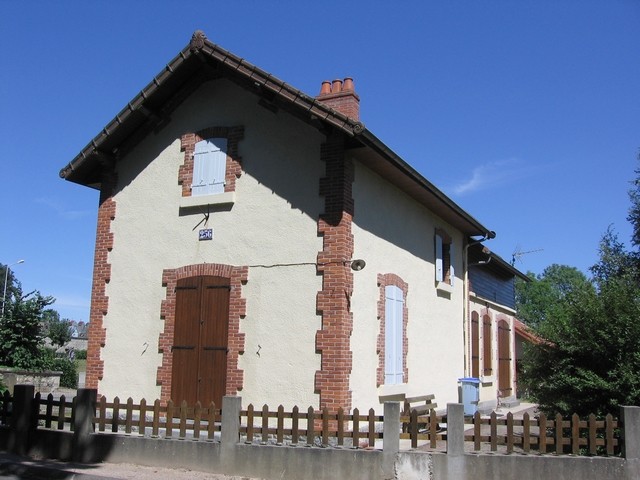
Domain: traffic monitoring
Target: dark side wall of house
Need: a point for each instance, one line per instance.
(493, 285)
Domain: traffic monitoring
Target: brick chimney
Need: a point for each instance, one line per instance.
(341, 96)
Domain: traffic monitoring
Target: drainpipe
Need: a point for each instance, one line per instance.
(466, 300)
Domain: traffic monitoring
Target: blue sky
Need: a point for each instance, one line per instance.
(526, 113)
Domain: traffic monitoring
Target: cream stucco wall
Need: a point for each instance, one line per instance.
(272, 222)
(489, 383)
(394, 234)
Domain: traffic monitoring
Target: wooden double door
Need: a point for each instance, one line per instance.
(200, 340)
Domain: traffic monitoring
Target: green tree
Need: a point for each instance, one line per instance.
(56, 329)
(589, 359)
(543, 296)
(20, 330)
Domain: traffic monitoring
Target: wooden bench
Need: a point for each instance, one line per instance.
(422, 404)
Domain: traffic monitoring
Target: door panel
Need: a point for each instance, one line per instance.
(200, 340)
(185, 341)
(213, 339)
(504, 359)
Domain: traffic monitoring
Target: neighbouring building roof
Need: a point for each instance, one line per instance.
(201, 61)
(525, 332)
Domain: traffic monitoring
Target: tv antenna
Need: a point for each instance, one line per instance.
(518, 254)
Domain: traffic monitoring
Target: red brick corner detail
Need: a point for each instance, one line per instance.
(383, 281)
(234, 167)
(333, 340)
(237, 276)
(101, 277)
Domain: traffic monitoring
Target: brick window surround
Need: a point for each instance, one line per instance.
(234, 168)
(383, 281)
(237, 276)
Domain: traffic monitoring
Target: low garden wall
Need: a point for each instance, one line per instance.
(220, 441)
(44, 382)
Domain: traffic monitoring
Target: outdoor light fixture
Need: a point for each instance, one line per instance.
(6, 278)
(358, 265)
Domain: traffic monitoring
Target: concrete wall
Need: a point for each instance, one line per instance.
(273, 221)
(414, 466)
(394, 234)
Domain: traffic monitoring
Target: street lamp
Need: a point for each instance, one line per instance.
(6, 278)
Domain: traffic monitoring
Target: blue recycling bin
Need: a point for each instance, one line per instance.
(470, 388)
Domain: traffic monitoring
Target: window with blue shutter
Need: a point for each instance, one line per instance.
(394, 303)
(444, 258)
(209, 166)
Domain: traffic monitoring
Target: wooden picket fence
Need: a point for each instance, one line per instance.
(310, 428)
(426, 428)
(503, 434)
(156, 420)
(55, 414)
(573, 436)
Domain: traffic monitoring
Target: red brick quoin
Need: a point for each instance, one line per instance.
(333, 301)
(234, 168)
(237, 309)
(383, 281)
(101, 276)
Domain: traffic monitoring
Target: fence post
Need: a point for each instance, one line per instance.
(455, 429)
(83, 424)
(391, 428)
(23, 421)
(230, 428)
(630, 417)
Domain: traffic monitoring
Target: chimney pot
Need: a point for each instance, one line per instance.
(325, 89)
(348, 85)
(337, 86)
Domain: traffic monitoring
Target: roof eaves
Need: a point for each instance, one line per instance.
(373, 142)
(137, 103)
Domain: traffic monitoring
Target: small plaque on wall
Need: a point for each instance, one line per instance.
(206, 234)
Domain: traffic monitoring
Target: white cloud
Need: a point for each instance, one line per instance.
(491, 175)
(60, 209)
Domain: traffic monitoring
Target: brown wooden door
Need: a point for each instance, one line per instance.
(200, 340)
(504, 359)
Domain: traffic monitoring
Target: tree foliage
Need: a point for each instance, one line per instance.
(589, 360)
(58, 330)
(543, 296)
(20, 330)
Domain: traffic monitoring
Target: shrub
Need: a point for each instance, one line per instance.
(64, 364)
(81, 354)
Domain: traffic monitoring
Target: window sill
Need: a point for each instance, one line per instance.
(444, 287)
(226, 198)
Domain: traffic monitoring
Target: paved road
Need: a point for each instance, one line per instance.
(16, 467)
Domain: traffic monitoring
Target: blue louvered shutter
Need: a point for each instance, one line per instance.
(394, 303)
(451, 270)
(209, 166)
(438, 259)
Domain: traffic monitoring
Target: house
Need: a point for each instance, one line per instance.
(493, 329)
(254, 240)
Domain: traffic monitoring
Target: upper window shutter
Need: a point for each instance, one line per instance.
(209, 166)
(451, 270)
(439, 264)
(394, 303)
